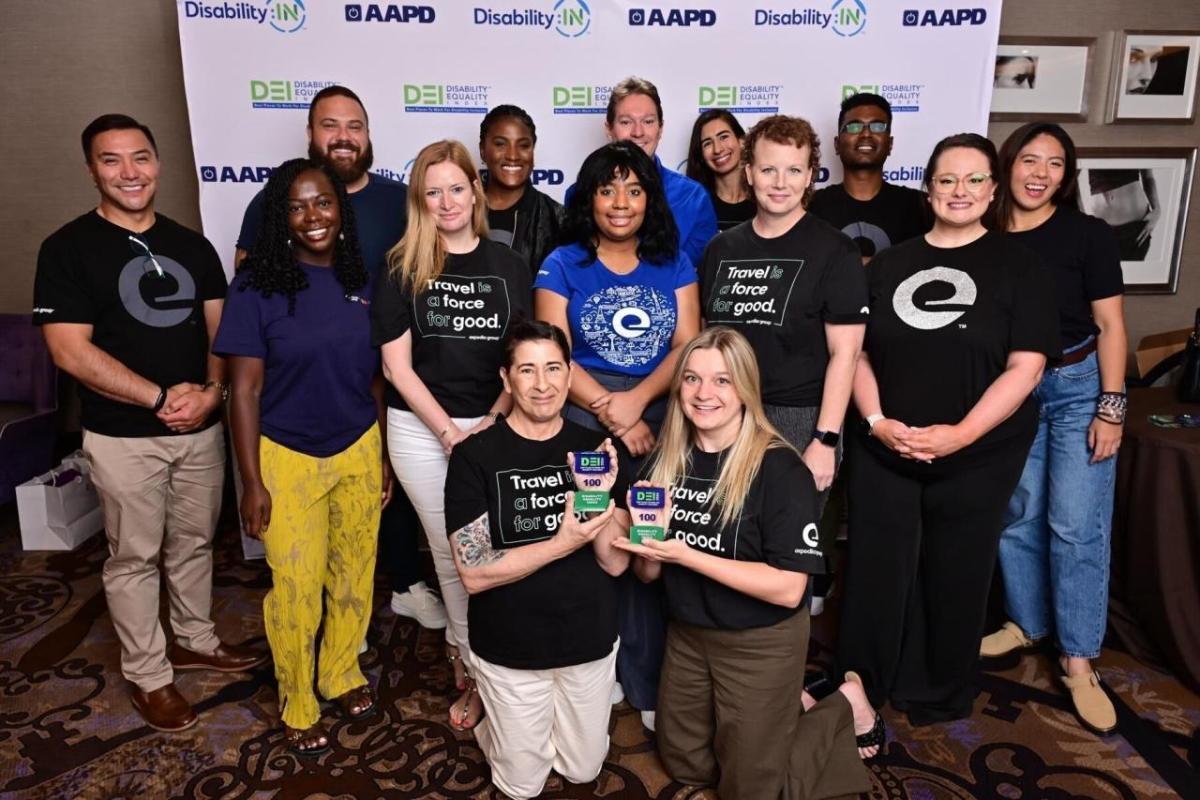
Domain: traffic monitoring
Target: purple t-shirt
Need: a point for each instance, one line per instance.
(318, 363)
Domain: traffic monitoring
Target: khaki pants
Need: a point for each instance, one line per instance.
(730, 714)
(161, 496)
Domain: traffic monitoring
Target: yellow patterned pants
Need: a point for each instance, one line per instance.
(323, 534)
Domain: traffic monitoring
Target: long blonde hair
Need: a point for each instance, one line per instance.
(419, 257)
(669, 462)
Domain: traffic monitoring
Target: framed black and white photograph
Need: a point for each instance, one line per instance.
(1041, 77)
(1155, 76)
(1143, 194)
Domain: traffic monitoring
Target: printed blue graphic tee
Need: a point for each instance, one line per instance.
(619, 323)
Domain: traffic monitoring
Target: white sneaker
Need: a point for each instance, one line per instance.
(648, 719)
(617, 694)
(420, 603)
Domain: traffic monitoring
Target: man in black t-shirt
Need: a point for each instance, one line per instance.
(872, 212)
(340, 137)
(129, 302)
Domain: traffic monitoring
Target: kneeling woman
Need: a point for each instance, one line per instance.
(742, 540)
(542, 607)
(305, 428)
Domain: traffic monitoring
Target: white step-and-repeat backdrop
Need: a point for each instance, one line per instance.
(429, 70)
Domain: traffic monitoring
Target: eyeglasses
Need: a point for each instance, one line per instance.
(975, 183)
(855, 127)
(140, 248)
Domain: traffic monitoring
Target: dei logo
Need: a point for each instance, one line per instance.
(229, 174)
(947, 16)
(284, 94)
(580, 99)
(680, 17)
(446, 98)
(903, 97)
(760, 98)
(389, 12)
(280, 15)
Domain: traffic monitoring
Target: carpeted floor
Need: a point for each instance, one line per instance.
(67, 729)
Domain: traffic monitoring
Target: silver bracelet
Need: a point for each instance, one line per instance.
(1111, 407)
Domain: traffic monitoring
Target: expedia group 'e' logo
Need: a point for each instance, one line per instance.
(905, 303)
(158, 302)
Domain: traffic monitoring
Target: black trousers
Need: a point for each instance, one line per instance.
(923, 545)
(399, 533)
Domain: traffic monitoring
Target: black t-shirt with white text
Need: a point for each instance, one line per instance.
(894, 215)
(89, 272)
(1082, 254)
(502, 223)
(943, 322)
(780, 293)
(565, 613)
(458, 326)
(777, 526)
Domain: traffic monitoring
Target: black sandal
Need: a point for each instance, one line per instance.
(877, 736)
(358, 703)
(314, 734)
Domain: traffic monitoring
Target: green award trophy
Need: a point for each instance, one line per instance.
(591, 471)
(647, 505)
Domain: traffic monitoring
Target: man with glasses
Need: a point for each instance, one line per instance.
(874, 213)
(339, 135)
(129, 301)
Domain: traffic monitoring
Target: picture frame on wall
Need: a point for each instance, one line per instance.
(1042, 78)
(1154, 76)
(1142, 192)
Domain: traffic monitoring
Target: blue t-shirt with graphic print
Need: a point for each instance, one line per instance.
(619, 323)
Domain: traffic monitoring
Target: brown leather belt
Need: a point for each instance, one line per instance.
(1075, 356)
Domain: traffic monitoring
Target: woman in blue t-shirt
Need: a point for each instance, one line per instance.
(297, 332)
(628, 298)
(624, 292)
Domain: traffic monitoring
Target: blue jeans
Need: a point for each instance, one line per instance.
(1054, 552)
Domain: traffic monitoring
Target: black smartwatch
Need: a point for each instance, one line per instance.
(827, 438)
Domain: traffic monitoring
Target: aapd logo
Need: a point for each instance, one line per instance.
(904, 301)
(389, 12)
(285, 16)
(230, 174)
(946, 16)
(679, 17)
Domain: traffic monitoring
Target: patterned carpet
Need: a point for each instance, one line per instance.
(67, 729)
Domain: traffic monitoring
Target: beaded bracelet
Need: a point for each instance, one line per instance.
(1111, 407)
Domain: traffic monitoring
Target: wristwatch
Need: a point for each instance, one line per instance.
(827, 438)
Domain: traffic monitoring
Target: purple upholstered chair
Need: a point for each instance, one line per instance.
(28, 400)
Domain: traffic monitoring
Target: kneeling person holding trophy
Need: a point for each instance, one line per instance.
(543, 607)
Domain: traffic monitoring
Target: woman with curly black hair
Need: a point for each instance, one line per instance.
(297, 333)
(627, 296)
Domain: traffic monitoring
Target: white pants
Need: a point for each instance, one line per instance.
(420, 465)
(542, 719)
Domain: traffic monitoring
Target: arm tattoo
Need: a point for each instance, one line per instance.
(474, 543)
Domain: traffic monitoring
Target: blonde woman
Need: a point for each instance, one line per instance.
(741, 543)
(440, 319)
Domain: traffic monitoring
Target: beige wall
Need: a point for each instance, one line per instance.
(98, 56)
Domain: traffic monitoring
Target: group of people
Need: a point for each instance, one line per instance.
(727, 337)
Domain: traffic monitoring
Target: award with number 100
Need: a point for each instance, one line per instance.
(647, 505)
(590, 469)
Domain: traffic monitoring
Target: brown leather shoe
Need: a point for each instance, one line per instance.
(164, 709)
(226, 658)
